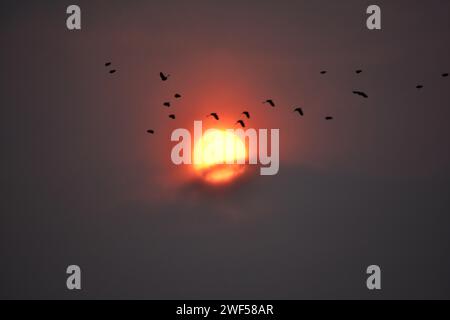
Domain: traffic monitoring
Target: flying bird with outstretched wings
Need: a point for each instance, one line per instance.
(163, 76)
(247, 114)
(241, 123)
(214, 115)
(299, 110)
(270, 102)
(360, 93)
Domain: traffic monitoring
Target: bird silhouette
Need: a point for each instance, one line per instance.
(150, 131)
(360, 93)
(214, 115)
(444, 75)
(163, 76)
(107, 64)
(270, 101)
(358, 71)
(112, 71)
(241, 123)
(166, 104)
(328, 118)
(172, 116)
(177, 95)
(299, 110)
(247, 114)
(323, 72)
(419, 86)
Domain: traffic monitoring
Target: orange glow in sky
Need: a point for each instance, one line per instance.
(214, 153)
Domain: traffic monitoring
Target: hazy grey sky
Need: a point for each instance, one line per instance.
(83, 183)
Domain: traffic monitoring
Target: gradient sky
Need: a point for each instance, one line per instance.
(83, 183)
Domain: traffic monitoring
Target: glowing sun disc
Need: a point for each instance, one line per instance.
(216, 156)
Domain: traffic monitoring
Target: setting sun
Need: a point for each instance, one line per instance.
(216, 156)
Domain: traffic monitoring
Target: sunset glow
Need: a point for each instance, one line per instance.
(214, 154)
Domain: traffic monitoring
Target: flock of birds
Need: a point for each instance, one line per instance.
(107, 64)
(164, 77)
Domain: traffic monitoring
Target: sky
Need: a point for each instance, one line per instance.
(83, 183)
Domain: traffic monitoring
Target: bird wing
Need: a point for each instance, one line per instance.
(360, 93)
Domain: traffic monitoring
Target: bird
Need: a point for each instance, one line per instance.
(107, 64)
(163, 76)
(172, 116)
(299, 110)
(358, 71)
(214, 115)
(166, 104)
(270, 101)
(419, 86)
(150, 131)
(360, 93)
(247, 114)
(177, 95)
(445, 75)
(328, 118)
(323, 72)
(241, 123)
(112, 71)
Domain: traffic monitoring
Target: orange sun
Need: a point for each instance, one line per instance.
(216, 155)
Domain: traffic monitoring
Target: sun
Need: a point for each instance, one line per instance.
(217, 154)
